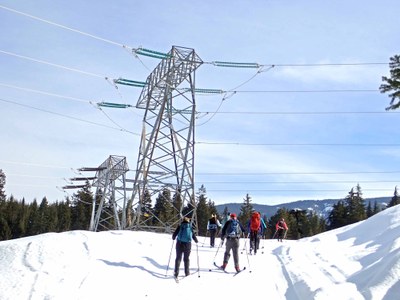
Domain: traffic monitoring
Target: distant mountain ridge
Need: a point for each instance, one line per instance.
(320, 207)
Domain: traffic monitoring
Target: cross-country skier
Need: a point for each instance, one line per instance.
(232, 231)
(212, 227)
(281, 229)
(184, 234)
(255, 228)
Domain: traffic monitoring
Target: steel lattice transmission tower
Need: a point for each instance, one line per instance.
(109, 201)
(166, 154)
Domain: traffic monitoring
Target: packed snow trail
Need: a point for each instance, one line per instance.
(360, 261)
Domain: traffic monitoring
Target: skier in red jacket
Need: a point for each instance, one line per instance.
(281, 229)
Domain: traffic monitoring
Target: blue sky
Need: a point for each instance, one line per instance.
(311, 127)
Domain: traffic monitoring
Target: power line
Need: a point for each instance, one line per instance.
(300, 182)
(301, 144)
(157, 54)
(310, 91)
(45, 93)
(298, 173)
(298, 113)
(53, 64)
(292, 190)
(33, 164)
(69, 117)
(62, 26)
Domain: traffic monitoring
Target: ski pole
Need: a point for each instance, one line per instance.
(263, 242)
(284, 236)
(220, 245)
(248, 261)
(244, 247)
(169, 259)
(275, 234)
(198, 260)
(204, 241)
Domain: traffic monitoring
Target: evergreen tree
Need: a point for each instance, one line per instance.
(392, 84)
(81, 208)
(302, 224)
(22, 219)
(212, 209)
(64, 215)
(147, 209)
(11, 216)
(376, 208)
(338, 216)
(245, 211)
(2, 186)
(317, 224)
(163, 207)
(5, 231)
(203, 212)
(43, 218)
(33, 219)
(395, 199)
(370, 212)
(355, 206)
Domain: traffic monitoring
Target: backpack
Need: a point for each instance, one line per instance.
(212, 224)
(233, 230)
(185, 233)
(255, 221)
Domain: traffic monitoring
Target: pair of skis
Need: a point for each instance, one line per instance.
(177, 279)
(225, 271)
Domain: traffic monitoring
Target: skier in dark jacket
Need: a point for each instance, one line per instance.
(184, 234)
(232, 231)
(212, 227)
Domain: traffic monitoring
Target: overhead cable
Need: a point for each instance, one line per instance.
(301, 144)
(52, 64)
(69, 117)
(161, 55)
(63, 26)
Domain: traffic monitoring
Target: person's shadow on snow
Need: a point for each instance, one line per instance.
(152, 261)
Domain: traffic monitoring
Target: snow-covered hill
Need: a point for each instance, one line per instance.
(360, 261)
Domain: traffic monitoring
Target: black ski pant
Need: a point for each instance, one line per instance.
(254, 240)
(213, 232)
(182, 249)
(280, 234)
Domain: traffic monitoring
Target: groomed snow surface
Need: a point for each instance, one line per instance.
(360, 261)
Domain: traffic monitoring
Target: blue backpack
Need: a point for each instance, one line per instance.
(233, 230)
(185, 233)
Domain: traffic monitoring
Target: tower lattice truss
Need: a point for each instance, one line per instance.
(165, 164)
(109, 202)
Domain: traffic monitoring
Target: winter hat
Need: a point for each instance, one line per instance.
(233, 215)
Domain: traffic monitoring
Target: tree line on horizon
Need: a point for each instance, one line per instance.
(20, 219)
